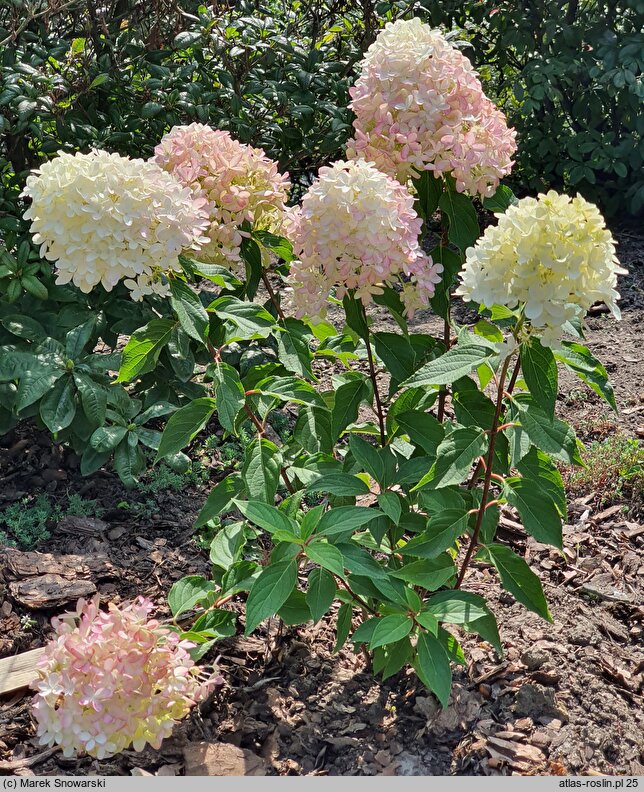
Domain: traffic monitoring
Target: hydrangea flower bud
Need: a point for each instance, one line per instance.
(113, 679)
(419, 106)
(103, 218)
(552, 254)
(357, 229)
(238, 183)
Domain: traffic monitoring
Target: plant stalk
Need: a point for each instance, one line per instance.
(374, 380)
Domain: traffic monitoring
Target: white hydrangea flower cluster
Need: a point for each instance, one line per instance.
(552, 254)
(103, 218)
(357, 229)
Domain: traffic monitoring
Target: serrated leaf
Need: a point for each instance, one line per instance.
(327, 556)
(457, 607)
(226, 547)
(539, 468)
(188, 592)
(443, 531)
(293, 348)
(266, 516)
(142, 350)
(539, 369)
(184, 425)
(270, 591)
(430, 573)
(538, 513)
(249, 319)
(192, 316)
(551, 435)
(454, 364)
(424, 430)
(463, 226)
(220, 499)
(579, 359)
(502, 199)
(320, 592)
(433, 667)
(455, 457)
(345, 518)
(391, 629)
(517, 578)
(262, 464)
(339, 484)
(347, 402)
(343, 628)
(229, 395)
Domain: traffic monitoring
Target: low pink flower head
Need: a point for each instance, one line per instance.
(419, 105)
(239, 182)
(357, 229)
(111, 679)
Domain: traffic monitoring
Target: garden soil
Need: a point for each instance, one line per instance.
(565, 698)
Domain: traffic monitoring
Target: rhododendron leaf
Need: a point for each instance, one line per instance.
(77, 339)
(327, 556)
(585, 365)
(345, 518)
(463, 224)
(320, 592)
(432, 666)
(539, 514)
(270, 591)
(502, 198)
(142, 350)
(266, 516)
(347, 402)
(442, 532)
(106, 438)
(58, 407)
(229, 395)
(517, 578)
(339, 484)
(344, 619)
(539, 369)
(262, 464)
(430, 573)
(454, 457)
(184, 425)
(188, 592)
(391, 629)
(191, 313)
(454, 364)
(93, 398)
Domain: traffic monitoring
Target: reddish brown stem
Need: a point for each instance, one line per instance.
(374, 380)
(488, 476)
(442, 396)
(273, 297)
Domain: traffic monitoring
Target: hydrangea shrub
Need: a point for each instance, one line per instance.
(391, 481)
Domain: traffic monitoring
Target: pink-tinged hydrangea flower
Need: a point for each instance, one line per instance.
(357, 229)
(240, 184)
(419, 106)
(104, 218)
(111, 679)
(552, 254)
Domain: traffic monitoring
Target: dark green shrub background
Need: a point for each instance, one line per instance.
(277, 74)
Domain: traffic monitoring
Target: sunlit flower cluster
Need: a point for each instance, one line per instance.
(111, 679)
(552, 254)
(357, 229)
(103, 218)
(240, 184)
(419, 105)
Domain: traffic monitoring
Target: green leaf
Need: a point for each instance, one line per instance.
(327, 556)
(343, 628)
(184, 425)
(320, 592)
(278, 244)
(128, 460)
(456, 607)
(313, 430)
(106, 438)
(58, 407)
(345, 518)
(369, 458)
(390, 504)
(517, 578)
(423, 429)
(443, 531)
(398, 654)
(365, 631)
(193, 317)
(188, 592)
(35, 383)
(229, 394)
(262, 465)
(549, 434)
(539, 468)
(355, 316)
(290, 389)
(538, 513)
(359, 562)
(502, 199)
(220, 499)
(252, 256)
(93, 398)
(454, 364)
(270, 591)
(250, 319)
(585, 365)
(430, 573)
(463, 230)
(226, 547)
(339, 484)
(451, 263)
(428, 190)
(267, 517)
(293, 349)
(142, 350)
(24, 327)
(454, 458)
(77, 339)
(396, 353)
(539, 369)
(391, 629)
(347, 401)
(433, 667)
(295, 610)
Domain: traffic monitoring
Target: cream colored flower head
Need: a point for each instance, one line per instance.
(103, 218)
(553, 255)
